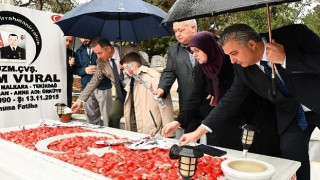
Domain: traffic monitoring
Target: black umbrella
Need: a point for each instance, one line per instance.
(191, 9)
(117, 20)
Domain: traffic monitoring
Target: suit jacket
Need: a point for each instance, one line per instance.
(70, 70)
(254, 110)
(104, 70)
(7, 53)
(302, 76)
(178, 67)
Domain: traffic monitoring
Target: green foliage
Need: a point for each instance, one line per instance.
(59, 6)
(280, 15)
(158, 46)
(312, 20)
(56, 6)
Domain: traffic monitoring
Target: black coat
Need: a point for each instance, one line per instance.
(70, 71)
(227, 133)
(302, 76)
(7, 53)
(178, 67)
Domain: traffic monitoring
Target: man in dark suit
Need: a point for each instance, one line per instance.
(13, 51)
(179, 67)
(70, 63)
(295, 51)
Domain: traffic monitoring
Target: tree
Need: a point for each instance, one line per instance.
(311, 18)
(280, 15)
(56, 6)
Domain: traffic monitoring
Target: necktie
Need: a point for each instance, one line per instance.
(301, 118)
(117, 81)
(121, 76)
(13, 49)
(133, 121)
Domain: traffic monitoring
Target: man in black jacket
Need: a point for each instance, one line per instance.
(13, 51)
(214, 75)
(295, 51)
(70, 63)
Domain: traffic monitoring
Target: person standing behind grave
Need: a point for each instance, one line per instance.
(116, 112)
(100, 101)
(214, 76)
(142, 112)
(179, 67)
(108, 66)
(295, 52)
(70, 63)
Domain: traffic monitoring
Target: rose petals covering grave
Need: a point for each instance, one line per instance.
(77, 146)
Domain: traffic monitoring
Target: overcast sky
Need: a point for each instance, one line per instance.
(83, 1)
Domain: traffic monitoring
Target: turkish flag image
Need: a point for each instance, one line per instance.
(1, 42)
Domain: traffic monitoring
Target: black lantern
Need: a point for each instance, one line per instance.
(60, 108)
(174, 152)
(188, 156)
(247, 138)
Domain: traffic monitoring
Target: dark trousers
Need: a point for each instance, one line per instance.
(69, 97)
(116, 113)
(294, 144)
(69, 90)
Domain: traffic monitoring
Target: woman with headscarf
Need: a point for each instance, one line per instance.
(213, 77)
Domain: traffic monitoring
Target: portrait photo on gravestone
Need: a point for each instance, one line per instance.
(12, 47)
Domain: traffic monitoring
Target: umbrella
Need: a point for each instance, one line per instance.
(190, 9)
(116, 20)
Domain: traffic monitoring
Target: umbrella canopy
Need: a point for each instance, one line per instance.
(117, 20)
(190, 9)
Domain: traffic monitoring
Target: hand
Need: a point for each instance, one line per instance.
(72, 61)
(159, 92)
(170, 128)
(212, 100)
(91, 69)
(275, 52)
(75, 106)
(193, 136)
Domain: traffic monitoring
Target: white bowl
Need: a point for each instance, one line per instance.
(246, 169)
